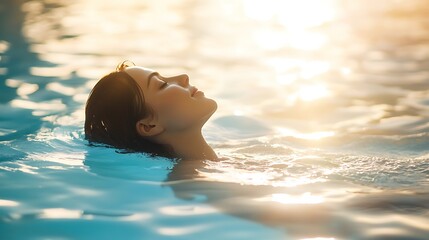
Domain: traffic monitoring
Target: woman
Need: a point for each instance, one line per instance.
(138, 109)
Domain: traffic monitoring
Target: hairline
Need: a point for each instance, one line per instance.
(142, 95)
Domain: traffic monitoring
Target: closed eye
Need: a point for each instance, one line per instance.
(164, 85)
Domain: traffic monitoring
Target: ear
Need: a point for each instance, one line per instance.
(148, 128)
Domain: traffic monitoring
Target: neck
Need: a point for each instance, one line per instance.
(190, 145)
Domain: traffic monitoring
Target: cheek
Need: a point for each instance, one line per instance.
(175, 106)
(177, 110)
(174, 100)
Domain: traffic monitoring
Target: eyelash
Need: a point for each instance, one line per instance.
(164, 85)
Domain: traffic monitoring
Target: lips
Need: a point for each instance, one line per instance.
(193, 91)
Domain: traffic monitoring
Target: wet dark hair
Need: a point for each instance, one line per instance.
(113, 108)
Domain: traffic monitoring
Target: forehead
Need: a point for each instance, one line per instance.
(140, 74)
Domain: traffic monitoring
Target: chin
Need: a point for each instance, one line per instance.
(211, 109)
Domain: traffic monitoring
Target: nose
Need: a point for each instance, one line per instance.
(183, 80)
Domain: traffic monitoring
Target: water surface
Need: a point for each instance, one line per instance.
(322, 120)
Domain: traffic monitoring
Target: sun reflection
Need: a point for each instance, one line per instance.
(292, 14)
(222, 172)
(58, 87)
(60, 213)
(289, 71)
(4, 46)
(296, 181)
(20, 167)
(26, 89)
(345, 71)
(187, 210)
(304, 40)
(176, 231)
(305, 198)
(13, 83)
(8, 203)
(308, 136)
(50, 71)
(41, 108)
(308, 93)
(318, 238)
(297, 17)
(69, 158)
(311, 69)
(312, 92)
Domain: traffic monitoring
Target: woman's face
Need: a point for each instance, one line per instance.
(176, 104)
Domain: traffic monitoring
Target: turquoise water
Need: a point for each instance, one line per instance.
(322, 121)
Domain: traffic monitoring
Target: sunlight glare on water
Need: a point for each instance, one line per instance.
(296, 16)
(322, 121)
(305, 198)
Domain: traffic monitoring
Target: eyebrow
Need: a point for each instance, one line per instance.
(149, 78)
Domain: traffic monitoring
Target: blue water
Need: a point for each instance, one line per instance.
(322, 123)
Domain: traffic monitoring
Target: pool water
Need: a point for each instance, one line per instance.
(322, 123)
